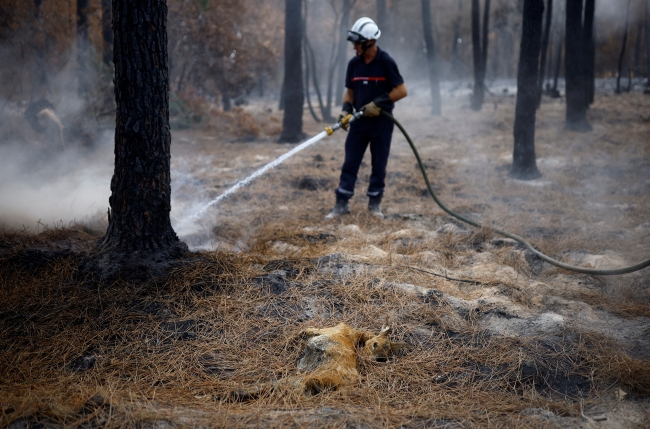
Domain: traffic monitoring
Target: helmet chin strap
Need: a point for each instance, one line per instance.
(366, 45)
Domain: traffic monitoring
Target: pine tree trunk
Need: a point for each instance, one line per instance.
(83, 47)
(436, 107)
(477, 96)
(558, 65)
(107, 33)
(622, 55)
(140, 201)
(486, 32)
(544, 50)
(575, 60)
(590, 52)
(524, 163)
(647, 42)
(294, 96)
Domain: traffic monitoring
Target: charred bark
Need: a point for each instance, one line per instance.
(575, 61)
(544, 51)
(523, 159)
(294, 96)
(107, 33)
(647, 43)
(436, 106)
(140, 240)
(479, 51)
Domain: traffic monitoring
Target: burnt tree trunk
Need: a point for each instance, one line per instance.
(622, 55)
(294, 96)
(477, 96)
(558, 65)
(544, 51)
(486, 39)
(341, 57)
(523, 159)
(575, 60)
(436, 106)
(139, 226)
(479, 51)
(83, 47)
(647, 43)
(590, 51)
(107, 33)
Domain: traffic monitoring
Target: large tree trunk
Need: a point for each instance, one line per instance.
(544, 51)
(477, 96)
(622, 55)
(107, 33)
(436, 107)
(523, 159)
(140, 235)
(590, 51)
(341, 58)
(83, 47)
(575, 60)
(294, 96)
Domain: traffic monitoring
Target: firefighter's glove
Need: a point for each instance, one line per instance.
(347, 110)
(371, 110)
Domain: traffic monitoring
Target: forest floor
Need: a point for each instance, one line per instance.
(495, 337)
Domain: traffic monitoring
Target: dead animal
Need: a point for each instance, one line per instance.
(41, 112)
(329, 360)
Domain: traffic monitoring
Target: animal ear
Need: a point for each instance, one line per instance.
(397, 346)
(385, 331)
(365, 336)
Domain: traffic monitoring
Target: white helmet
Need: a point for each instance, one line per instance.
(363, 30)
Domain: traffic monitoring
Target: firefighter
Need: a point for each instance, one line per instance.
(373, 83)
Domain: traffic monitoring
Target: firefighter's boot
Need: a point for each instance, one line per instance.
(342, 207)
(374, 206)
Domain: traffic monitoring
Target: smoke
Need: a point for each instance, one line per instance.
(59, 176)
(52, 187)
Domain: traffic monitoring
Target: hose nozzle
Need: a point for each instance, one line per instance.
(344, 122)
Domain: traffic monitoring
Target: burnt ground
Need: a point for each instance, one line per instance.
(494, 336)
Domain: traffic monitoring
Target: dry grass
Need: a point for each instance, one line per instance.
(171, 350)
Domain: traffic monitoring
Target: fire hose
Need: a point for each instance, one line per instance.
(604, 272)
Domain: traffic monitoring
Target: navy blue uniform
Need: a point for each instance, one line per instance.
(368, 81)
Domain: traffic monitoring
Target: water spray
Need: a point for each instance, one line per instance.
(356, 115)
(343, 123)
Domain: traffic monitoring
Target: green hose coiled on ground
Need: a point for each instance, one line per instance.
(612, 272)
